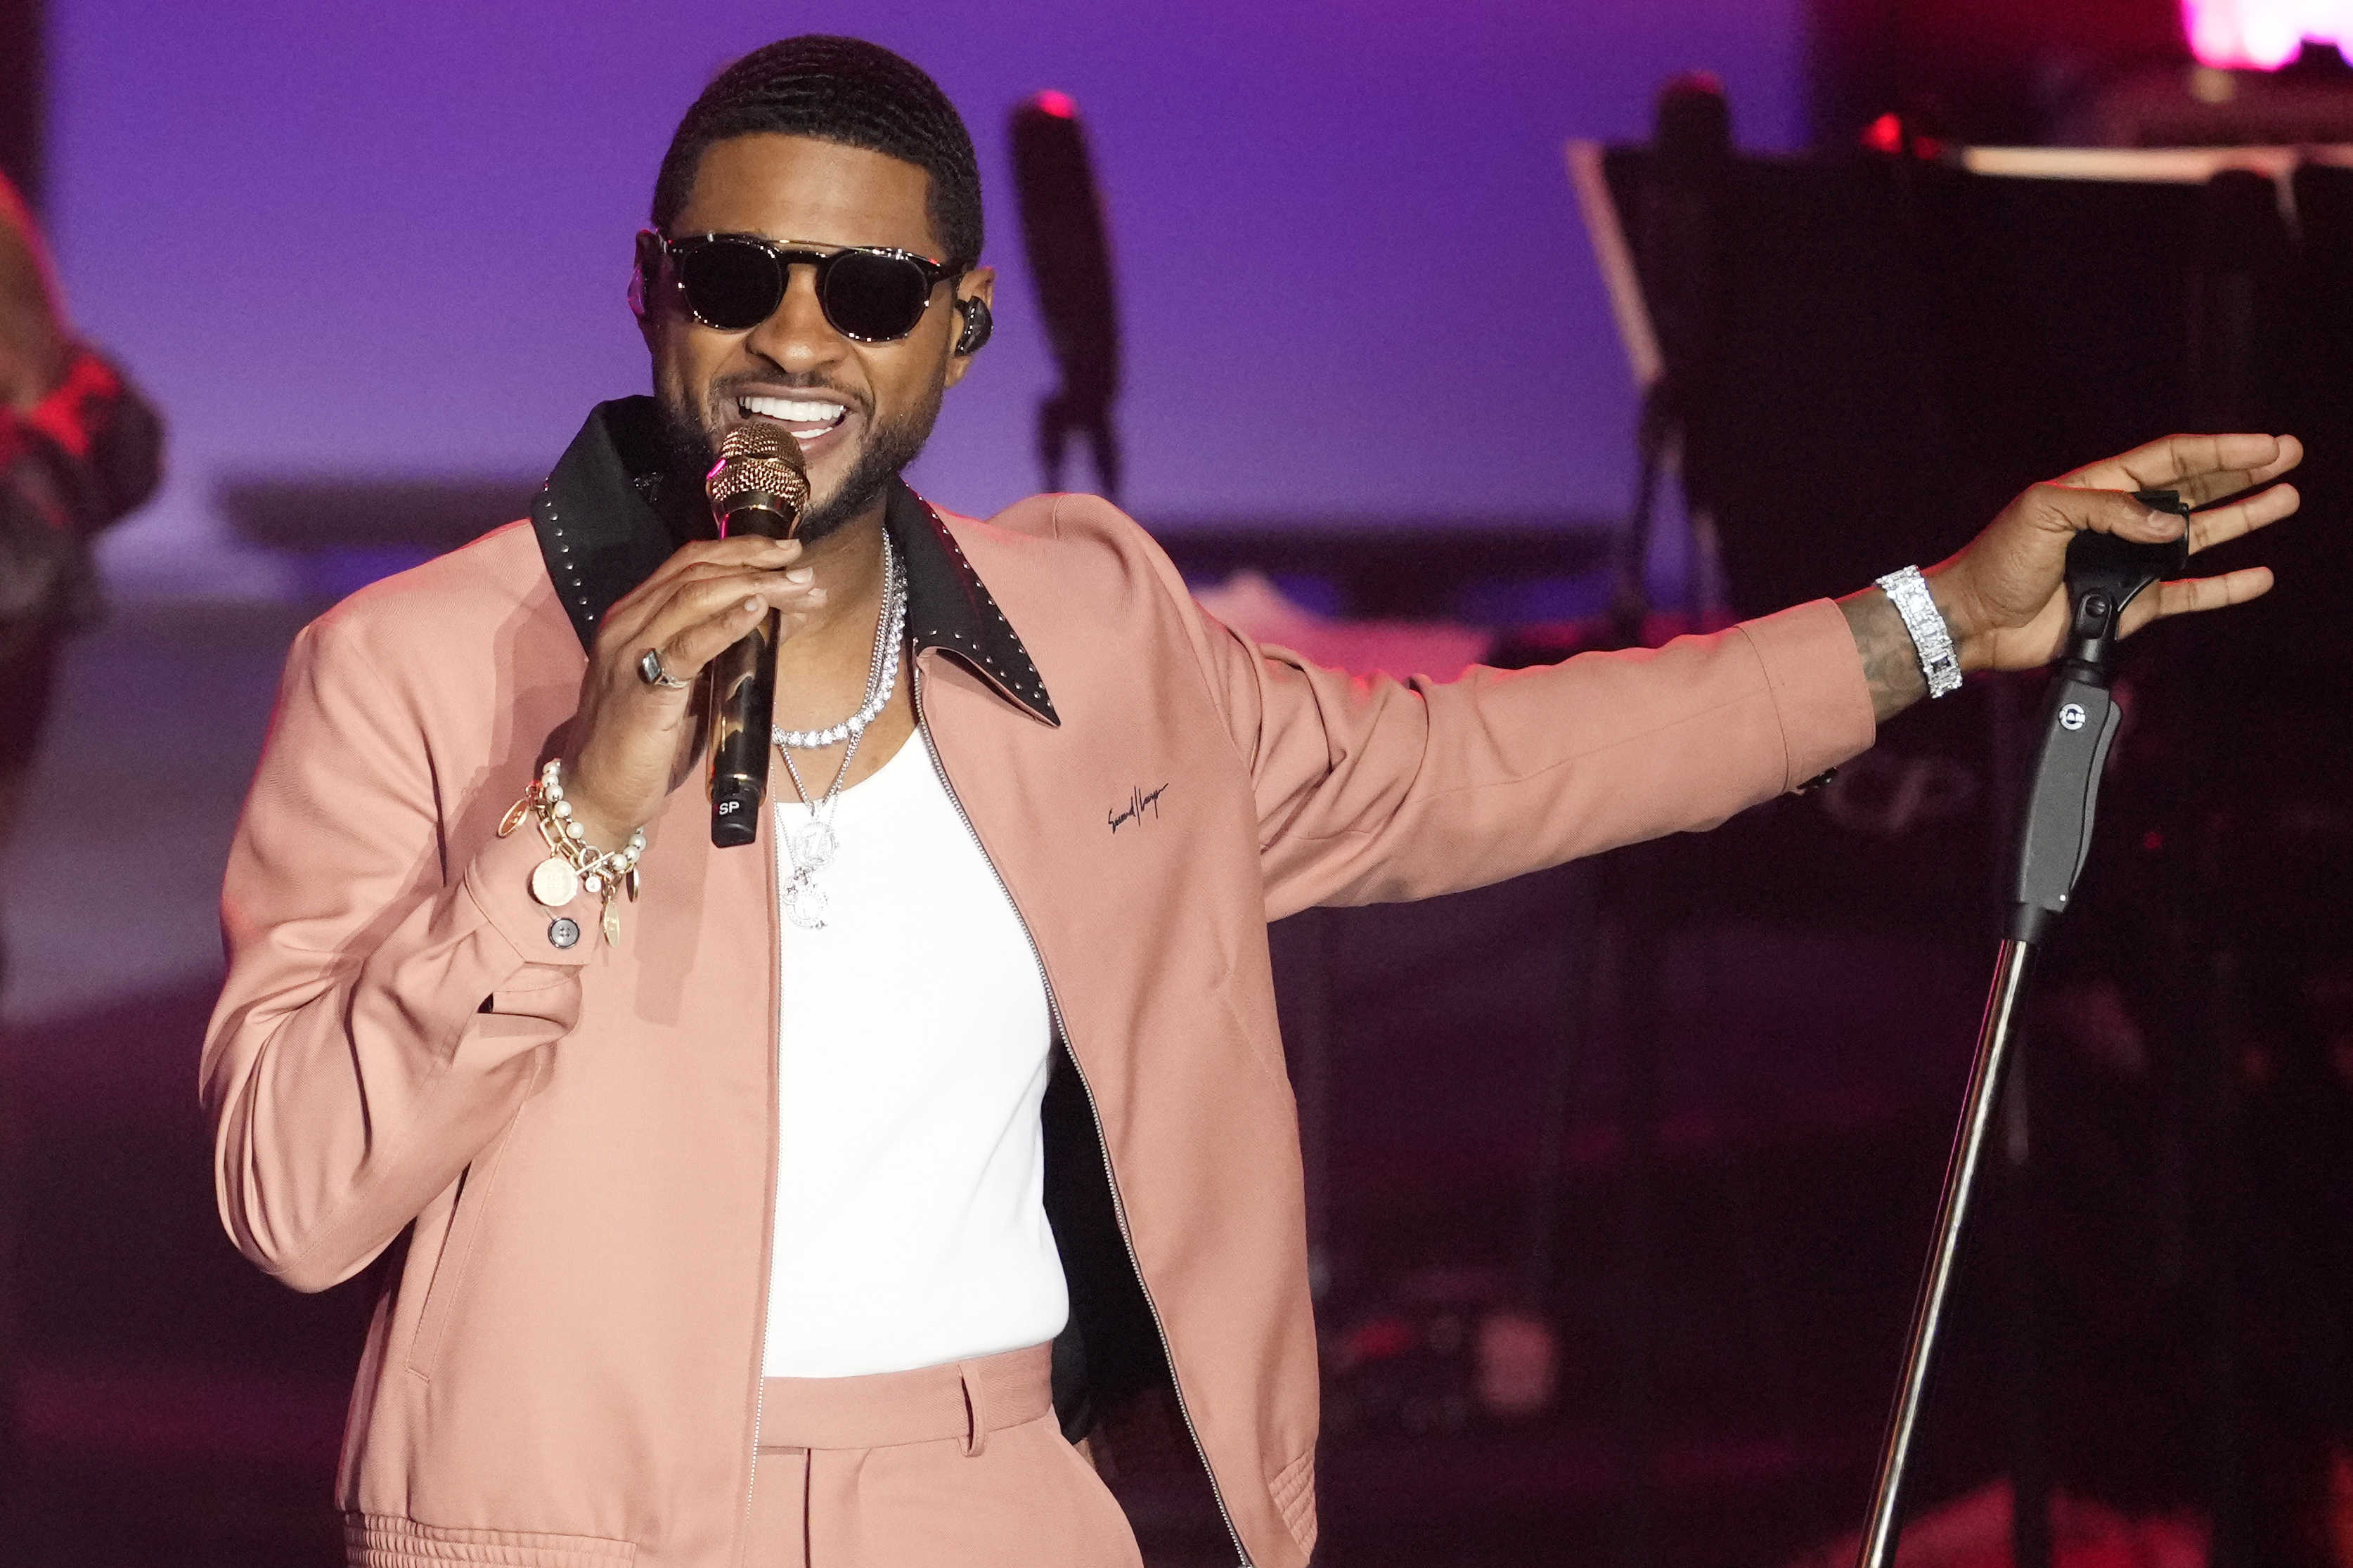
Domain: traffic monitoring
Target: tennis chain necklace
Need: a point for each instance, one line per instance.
(812, 845)
(881, 677)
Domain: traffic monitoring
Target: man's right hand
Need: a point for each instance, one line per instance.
(631, 742)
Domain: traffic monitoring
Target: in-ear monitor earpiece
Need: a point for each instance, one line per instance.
(977, 325)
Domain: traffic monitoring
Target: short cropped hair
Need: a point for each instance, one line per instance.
(846, 91)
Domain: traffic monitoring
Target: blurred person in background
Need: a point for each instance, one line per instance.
(78, 450)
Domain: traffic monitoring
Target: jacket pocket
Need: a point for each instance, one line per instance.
(449, 1267)
(382, 1541)
(1294, 1489)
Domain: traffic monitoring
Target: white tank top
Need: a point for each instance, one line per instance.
(914, 1045)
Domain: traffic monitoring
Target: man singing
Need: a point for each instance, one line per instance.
(801, 1205)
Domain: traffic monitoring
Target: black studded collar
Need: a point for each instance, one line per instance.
(606, 518)
(950, 608)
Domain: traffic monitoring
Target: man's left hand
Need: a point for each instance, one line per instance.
(2004, 597)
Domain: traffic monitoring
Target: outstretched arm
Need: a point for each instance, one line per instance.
(1372, 789)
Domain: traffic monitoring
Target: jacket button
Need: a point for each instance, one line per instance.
(563, 932)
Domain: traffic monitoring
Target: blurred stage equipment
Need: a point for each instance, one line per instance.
(1934, 335)
(2105, 574)
(2264, 35)
(1069, 249)
(1978, 70)
(1675, 269)
(757, 487)
(22, 94)
(1913, 337)
(2110, 73)
(1442, 1349)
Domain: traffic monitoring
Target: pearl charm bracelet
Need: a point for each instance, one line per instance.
(573, 866)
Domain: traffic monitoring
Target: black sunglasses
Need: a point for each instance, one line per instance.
(734, 281)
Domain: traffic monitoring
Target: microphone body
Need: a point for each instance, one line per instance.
(758, 486)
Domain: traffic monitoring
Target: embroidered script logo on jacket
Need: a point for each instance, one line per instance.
(1136, 801)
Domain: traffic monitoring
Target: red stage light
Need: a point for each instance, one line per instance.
(2264, 35)
(1057, 104)
(1888, 133)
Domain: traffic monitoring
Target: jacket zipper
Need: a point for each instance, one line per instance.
(775, 1138)
(1110, 1178)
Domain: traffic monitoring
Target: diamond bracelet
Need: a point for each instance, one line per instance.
(1939, 662)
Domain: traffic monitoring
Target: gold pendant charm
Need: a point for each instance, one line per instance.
(515, 813)
(612, 923)
(554, 883)
(630, 883)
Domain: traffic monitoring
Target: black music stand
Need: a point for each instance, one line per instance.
(1914, 342)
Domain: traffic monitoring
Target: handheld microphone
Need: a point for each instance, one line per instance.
(758, 486)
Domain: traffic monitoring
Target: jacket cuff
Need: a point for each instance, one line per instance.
(499, 883)
(1816, 678)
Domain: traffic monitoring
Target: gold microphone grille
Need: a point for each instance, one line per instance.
(763, 475)
(760, 439)
(759, 457)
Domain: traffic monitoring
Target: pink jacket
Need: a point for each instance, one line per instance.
(575, 1149)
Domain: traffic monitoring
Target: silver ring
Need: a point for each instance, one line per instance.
(651, 672)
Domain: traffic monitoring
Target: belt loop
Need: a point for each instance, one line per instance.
(976, 1409)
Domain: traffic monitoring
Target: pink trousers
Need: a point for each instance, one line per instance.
(947, 1467)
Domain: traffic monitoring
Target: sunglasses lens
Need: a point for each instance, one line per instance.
(874, 297)
(731, 285)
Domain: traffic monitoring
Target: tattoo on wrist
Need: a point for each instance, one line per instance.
(1891, 665)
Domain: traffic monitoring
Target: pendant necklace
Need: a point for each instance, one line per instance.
(812, 844)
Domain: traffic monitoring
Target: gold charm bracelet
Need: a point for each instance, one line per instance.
(573, 866)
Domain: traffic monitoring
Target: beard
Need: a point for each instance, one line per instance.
(891, 446)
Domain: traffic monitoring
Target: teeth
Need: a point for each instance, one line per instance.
(794, 411)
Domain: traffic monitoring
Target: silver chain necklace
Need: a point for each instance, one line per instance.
(882, 676)
(812, 845)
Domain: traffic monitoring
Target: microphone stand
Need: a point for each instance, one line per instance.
(2105, 574)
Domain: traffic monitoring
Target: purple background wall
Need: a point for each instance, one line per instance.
(395, 239)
